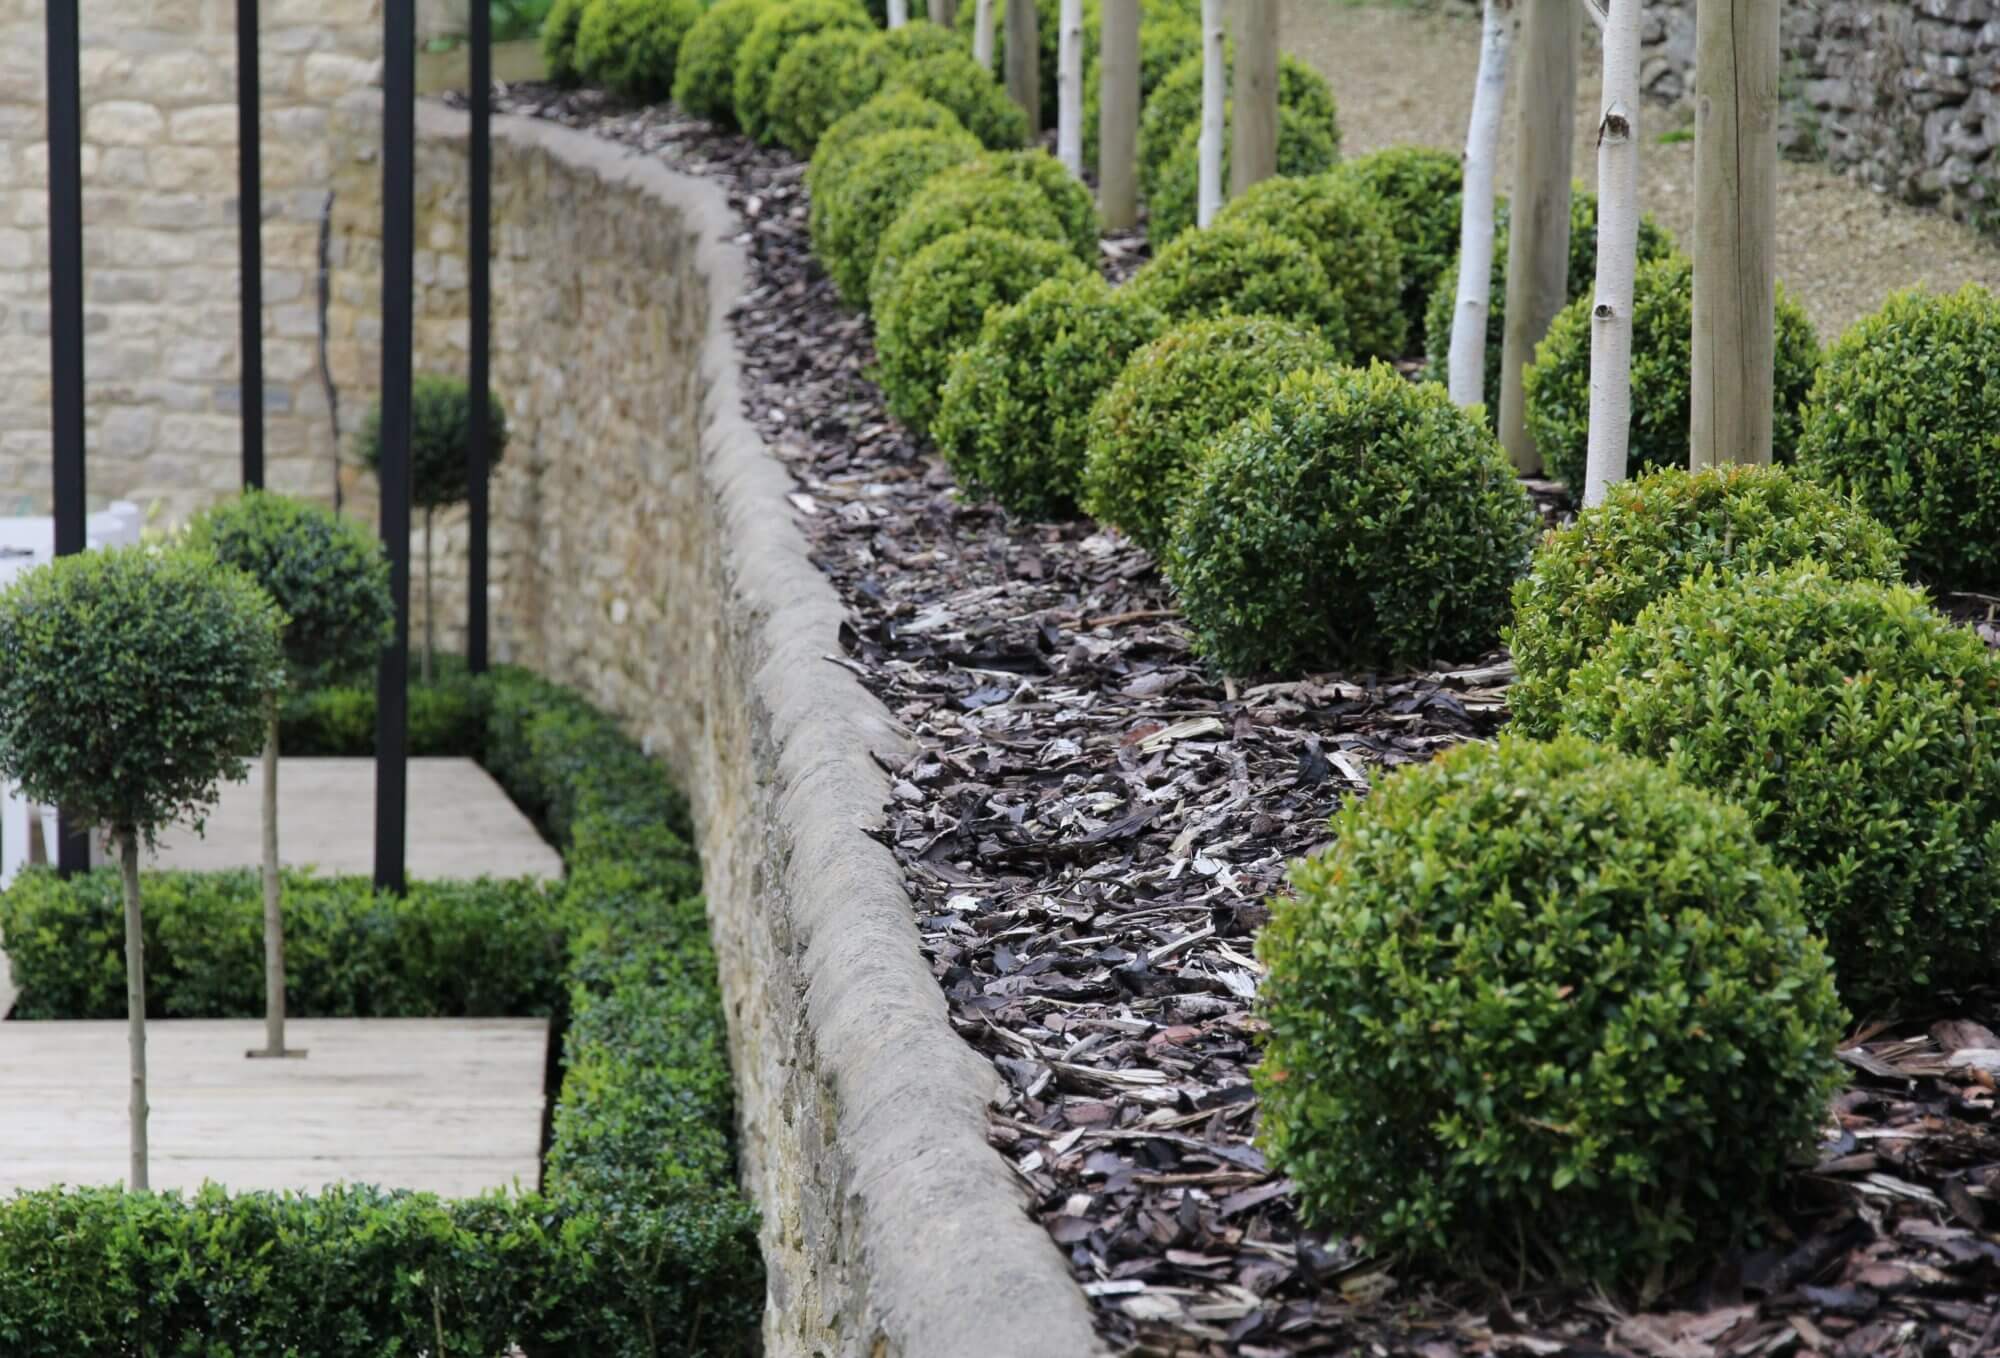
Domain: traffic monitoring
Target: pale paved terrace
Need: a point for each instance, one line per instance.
(451, 1106)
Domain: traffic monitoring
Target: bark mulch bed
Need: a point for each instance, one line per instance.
(1090, 827)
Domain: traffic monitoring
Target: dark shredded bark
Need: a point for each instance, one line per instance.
(1090, 827)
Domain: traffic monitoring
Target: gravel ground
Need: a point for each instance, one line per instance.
(1842, 247)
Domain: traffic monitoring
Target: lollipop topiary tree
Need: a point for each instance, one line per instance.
(331, 580)
(440, 428)
(131, 683)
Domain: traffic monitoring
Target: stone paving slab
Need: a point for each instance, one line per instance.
(453, 1106)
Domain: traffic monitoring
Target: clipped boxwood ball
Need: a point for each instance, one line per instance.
(1419, 189)
(1556, 386)
(884, 113)
(879, 180)
(955, 80)
(1543, 1005)
(1304, 149)
(1351, 235)
(1654, 243)
(1243, 270)
(629, 46)
(1146, 433)
(870, 70)
(1013, 415)
(765, 45)
(952, 202)
(1861, 731)
(558, 40)
(939, 302)
(705, 70)
(1357, 517)
(1174, 108)
(810, 89)
(1906, 415)
(1062, 192)
(1652, 534)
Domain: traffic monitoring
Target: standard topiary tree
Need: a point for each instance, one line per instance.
(939, 301)
(1357, 517)
(630, 46)
(1145, 435)
(1304, 149)
(1417, 188)
(1013, 413)
(1599, 572)
(811, 88)
(440, 430)
(1861, 731)
(1543, 1007)
(1906, 416)
(559, 40)
(949, 202)
(705, 68)
(955, 80)
(1352, 236)
(852, 212)
(330, 579)
(1556, 386)
(131, 683)
(771, 35)
(1242, 270)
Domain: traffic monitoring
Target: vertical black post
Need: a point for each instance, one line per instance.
(66, 317)
(479, 258)
(249, 228)
(399, 112)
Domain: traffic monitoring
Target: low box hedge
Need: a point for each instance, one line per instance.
(638, 1242)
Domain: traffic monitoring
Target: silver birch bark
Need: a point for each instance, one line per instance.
(982, 34)
(1538, 243)
(1466, 367)
(899, 13)
(1214, 78)
(1118, 115)
(1069, 87)
(136, 1179)
(1617, 252)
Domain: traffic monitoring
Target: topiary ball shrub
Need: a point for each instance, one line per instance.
(810, 89)
(1356, 517)
(630, 46)
(1351, 235)
(898, 112)
(870, 70)
(705, 69)
(1654, 243)
(1175, 107)
(558, 40)
(765, 45)
(1419, 189)
(1305, 148)
(1556, 386)
(1906, 416)
(955, 80)
(1242, 270)
(1599, 572)
(951, 202)
(1012, 418)
(1143, 444)
(1543, 1007)
(1860, 730)
(853, 212)
(939, 302)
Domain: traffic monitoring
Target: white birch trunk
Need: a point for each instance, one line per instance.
(1617, 255)
(982, 35)
(899, 13)
(1466, 367)
(136, 1180)
(1214, 77)
(1069, 87)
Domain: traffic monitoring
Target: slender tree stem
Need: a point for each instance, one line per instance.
(982, 34)
(137, 1180)
(1069, 86)
(1467, 365)
(430, 614)
(1617, 255)
(274, 917)
(1214, 82)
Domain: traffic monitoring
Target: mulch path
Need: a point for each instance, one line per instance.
(1089, 828)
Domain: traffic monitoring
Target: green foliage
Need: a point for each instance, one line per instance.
(1650, 535)
(1351, 234)
(811, 88)
(1305, 147)
(771, 35)
(1146, 433)
(940, 299)
(1860, 730)
(447, 716)
(1173, 112)
(630, 46)
(852, 212)
(1356, 517)
(1654, 243)
(951, 201)
(1906, 415)
(440, 432)
(1542, 1006)
(898, 112)
(1013, 415)
(328, 576)
(955, 80)
(1067, 196)
(1556, 386)
(884, 54)
(1242, 270)
(559, 40)
(132, 681)
(705, 69)
(1419, 190)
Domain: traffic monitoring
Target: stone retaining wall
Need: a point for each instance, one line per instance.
(645, 553)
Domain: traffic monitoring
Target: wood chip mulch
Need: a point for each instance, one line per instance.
(1090, 826)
